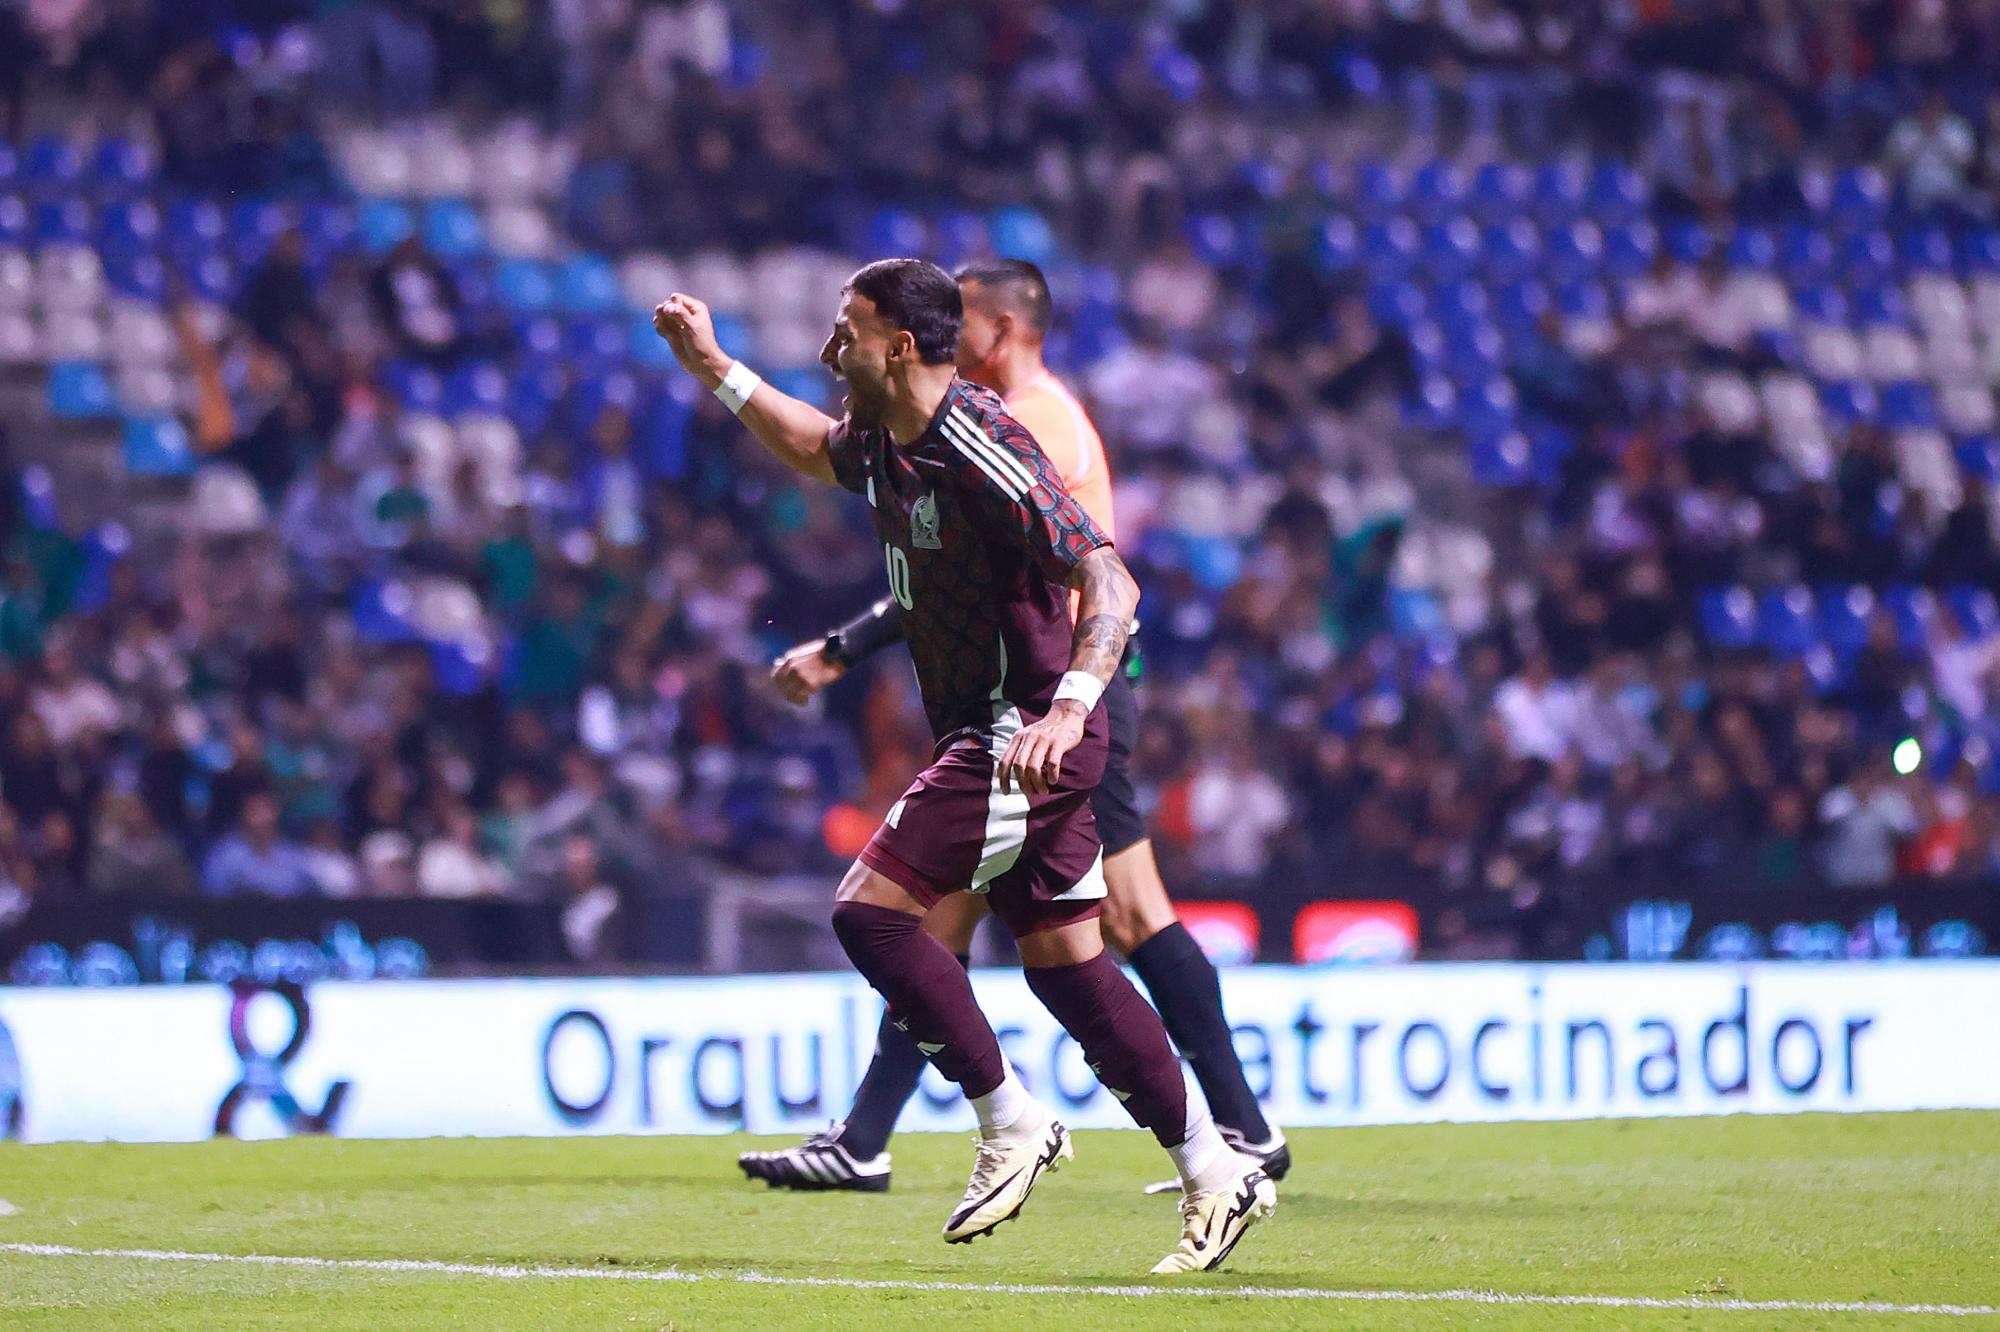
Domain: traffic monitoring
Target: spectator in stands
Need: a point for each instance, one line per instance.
(255, 859)
(131, 856)
(452, 863)
(417, 301)
(1865, 820)
(1934, 149)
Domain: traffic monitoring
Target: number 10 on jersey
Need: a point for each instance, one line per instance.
(899, 576)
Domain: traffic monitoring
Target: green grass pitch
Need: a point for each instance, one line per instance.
(1899, 1210)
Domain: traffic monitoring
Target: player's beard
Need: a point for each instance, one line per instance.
(866, 403)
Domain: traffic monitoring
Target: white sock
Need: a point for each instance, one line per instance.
(1205, 1161)
(1004, 1106)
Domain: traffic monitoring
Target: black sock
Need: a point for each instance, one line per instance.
(1188, 994)
(887, 1086)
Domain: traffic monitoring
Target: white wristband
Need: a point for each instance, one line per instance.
(1082, 686)
(737, 386)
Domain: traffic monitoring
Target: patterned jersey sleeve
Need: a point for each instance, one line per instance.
(1012, 490)
(847, 450)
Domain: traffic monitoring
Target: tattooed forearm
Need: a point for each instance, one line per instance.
(1104, 620)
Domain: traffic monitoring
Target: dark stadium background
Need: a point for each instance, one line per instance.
(1555, 441)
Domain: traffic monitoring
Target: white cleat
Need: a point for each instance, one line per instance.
(1003, 1174)
(1212, 1222)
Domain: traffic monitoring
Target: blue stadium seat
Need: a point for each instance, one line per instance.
(123, 165)
(596, 342)
(1844, 613)
(128, 223)
(587, 285)
(453, 229)
(1583, 300)
(1511, 249)
(1617, 193)
(1458, 303)
(1395, 303)
(459, 669)
(1926, 249)
(383, 224)
(1549, 447)
(1434, 404)
(1821, 303)
(524, 286)
(52, 165)
(1216, 562)
(1518, 306)
(1753, 248)
(479, 388)
(157, 446)
(1629, 248)
(1689, 242)
(1489, 407)
(1979, 455)
(79, 391)
(1786, 621)
(1867, 257)
(660, 442)
(1389, 248)
(1438, 191)
(538, 339)
(1913, 609)
(197, 219)
(591, 394)
(10, 166)
(1416, 613)
(960, 235)
(1216, 240)
(13, 221)
(1574, 249)
(140, 276)
(478, 290)
(1378, 190)
(380, 615)
(254, 224)
(213, 279)
(1338, 249)
(1976, 609)
(1908, 406)
(1861, 198)
(1850, 402)
(1475, 353)
(532, 394)
(1805, 254)
(62, 222)
(1880, 305)
(1980, 250)
(1501, 191)
(418, 388)
(1022, 233)
(1728, 617)
(328, 229)
(1499, 457)
(1560, 188)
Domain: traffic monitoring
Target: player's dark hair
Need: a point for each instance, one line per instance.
(1016, 282)
(919, 297)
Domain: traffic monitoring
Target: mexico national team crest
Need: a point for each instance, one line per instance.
(924, 524)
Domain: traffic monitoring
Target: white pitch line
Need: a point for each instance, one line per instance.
(513, 1272)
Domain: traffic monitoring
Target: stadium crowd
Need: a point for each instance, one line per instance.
(1364, 668)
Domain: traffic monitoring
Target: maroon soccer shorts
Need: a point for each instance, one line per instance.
(1037, 859)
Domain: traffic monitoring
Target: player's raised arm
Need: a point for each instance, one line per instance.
(795, 432)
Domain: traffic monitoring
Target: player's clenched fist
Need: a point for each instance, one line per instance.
(1033, 758)
(690, 331)
(804, 671)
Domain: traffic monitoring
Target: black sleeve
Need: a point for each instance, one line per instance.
(866, 634)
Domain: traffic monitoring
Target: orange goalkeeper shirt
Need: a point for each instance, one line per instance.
(1060, 425)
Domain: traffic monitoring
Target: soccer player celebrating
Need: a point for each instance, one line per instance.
(983, 544)
(1007, 309)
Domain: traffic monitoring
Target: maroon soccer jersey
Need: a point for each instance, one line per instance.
(979, 533)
